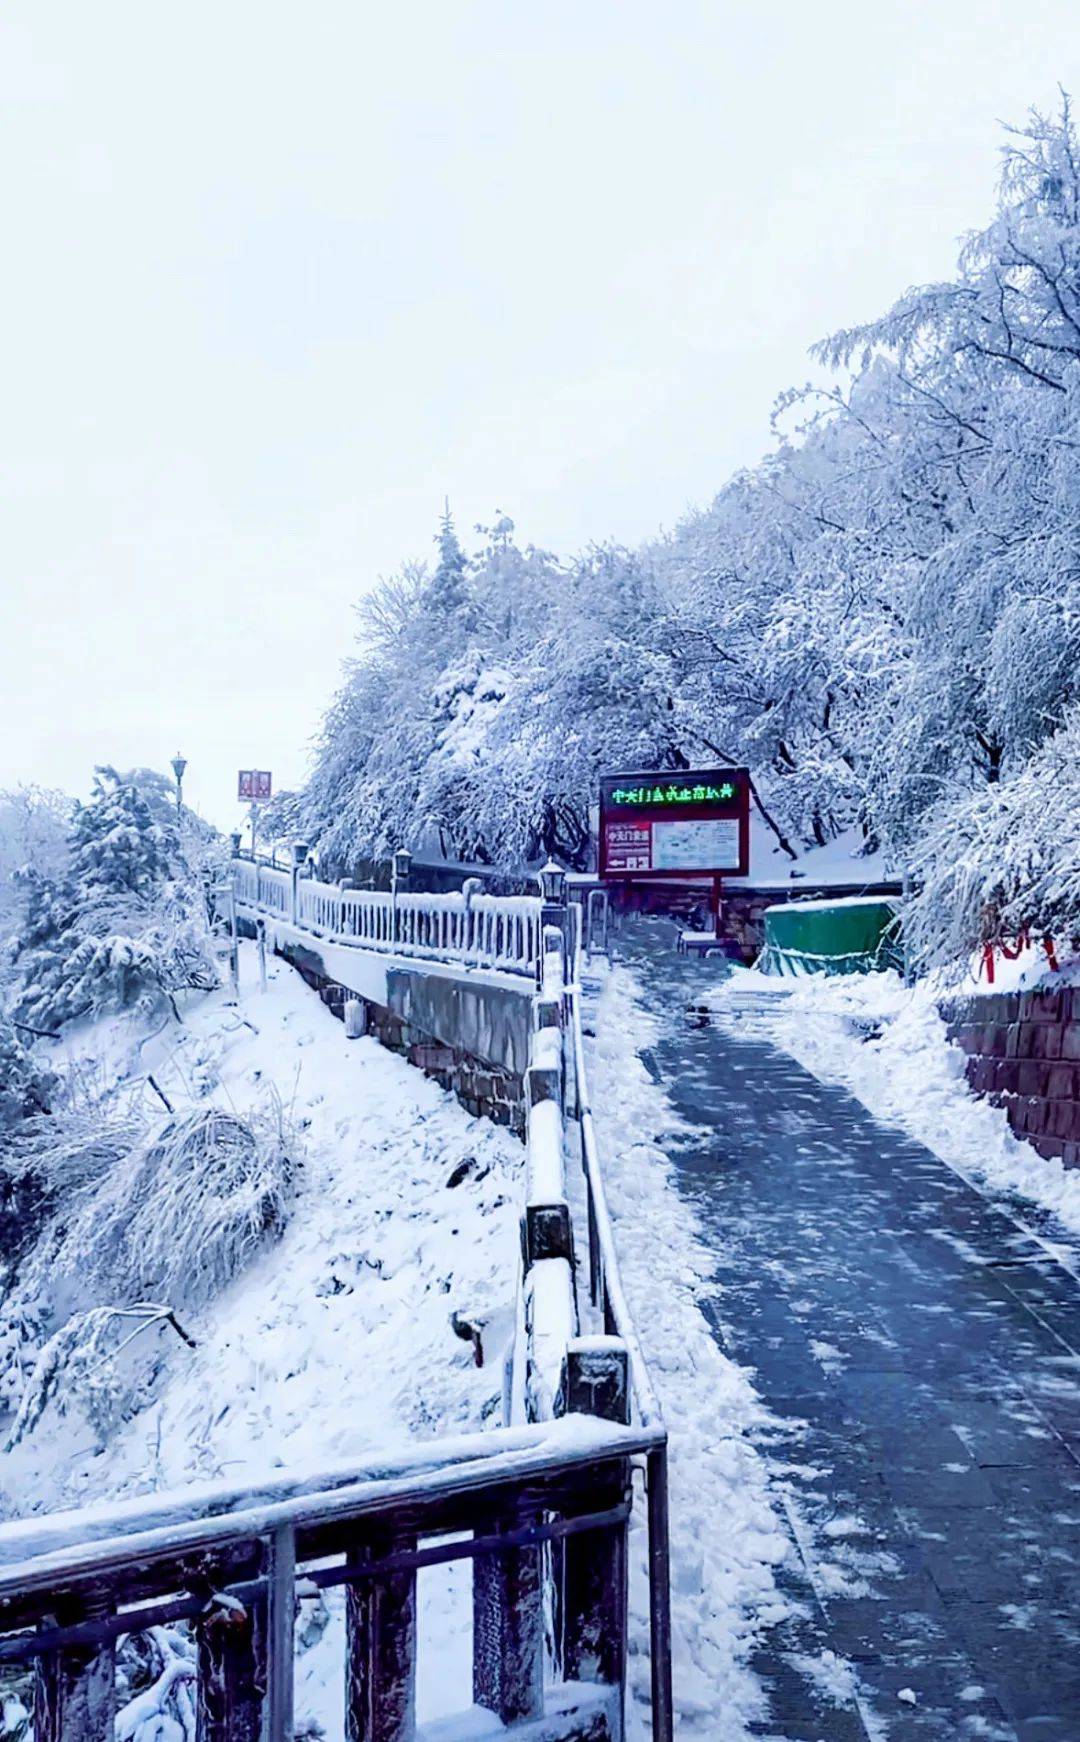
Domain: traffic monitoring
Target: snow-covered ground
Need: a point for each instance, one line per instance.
(339, 1338)
(886, 1043)
(726, 1539)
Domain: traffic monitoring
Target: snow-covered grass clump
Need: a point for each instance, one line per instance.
(140, 1220)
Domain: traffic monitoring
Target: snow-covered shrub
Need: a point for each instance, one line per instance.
(144, 1220)
(49, 1164)
(155, 1686)
(79, 1364)
(1005, 861)
(184, 1210)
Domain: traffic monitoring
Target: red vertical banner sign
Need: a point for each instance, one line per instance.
(254, 785)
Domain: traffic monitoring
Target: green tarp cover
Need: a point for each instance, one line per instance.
(850, 935)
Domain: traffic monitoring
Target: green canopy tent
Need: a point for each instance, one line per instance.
(848, 935)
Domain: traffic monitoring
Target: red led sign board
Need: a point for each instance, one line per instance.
(254, 784)
(662, 824)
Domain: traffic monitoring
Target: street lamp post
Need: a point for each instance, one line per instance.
(179, 763)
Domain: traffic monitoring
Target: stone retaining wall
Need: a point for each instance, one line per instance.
(481, 1087)
(1023, 1053)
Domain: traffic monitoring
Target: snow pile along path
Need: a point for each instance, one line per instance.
(886, 1044)
(726, 1541)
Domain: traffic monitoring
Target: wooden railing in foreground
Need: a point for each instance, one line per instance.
(236, 1562)
(540, 1507)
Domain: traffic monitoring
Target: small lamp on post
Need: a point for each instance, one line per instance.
(235, 839)
(399, 873)
(552, 881)
(179, 764)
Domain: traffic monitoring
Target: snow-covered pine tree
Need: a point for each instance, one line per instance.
(446, 590)
(127, 918)
(26, 1086)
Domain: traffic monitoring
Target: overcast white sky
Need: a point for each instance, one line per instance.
(277, 278)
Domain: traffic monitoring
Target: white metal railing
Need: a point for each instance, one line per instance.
(570, 1355)
(273, 889)
(481, 931)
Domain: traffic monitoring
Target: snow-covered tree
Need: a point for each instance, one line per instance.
(127, 918)
(881, 619)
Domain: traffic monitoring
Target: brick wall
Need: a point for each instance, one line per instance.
(482, 1088)
(1023, 1053)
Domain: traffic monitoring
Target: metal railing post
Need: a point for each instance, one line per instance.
(281, 1576)
(656, 1478)
(596, 904)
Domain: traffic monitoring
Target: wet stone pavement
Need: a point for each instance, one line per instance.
(919, 1352)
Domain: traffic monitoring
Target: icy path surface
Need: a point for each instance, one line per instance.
(918, 1357)
(727, 1539)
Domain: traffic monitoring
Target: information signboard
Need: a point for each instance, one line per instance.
(254, 784)
(661, 824)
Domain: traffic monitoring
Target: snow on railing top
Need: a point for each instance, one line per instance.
(550, 1305)
(479, 931)
(35, 1552)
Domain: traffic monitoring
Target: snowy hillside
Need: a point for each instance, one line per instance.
(341, 1336)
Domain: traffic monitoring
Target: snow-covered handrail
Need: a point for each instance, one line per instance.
(236, 1561)
(38, 1553)
(476, 931)
(605, 1281)
(549, 1309)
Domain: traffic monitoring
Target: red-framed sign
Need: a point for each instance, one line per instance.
(660, 824)
(254, 784)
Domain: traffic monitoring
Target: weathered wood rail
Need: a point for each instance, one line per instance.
(540, 1507)
(236, 1563)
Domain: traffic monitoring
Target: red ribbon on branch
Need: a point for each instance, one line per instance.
(1010, 952)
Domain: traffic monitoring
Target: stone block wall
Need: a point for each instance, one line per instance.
(1023, 1053)
(481, 1087)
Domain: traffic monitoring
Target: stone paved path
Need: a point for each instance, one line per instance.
(920, 1354)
